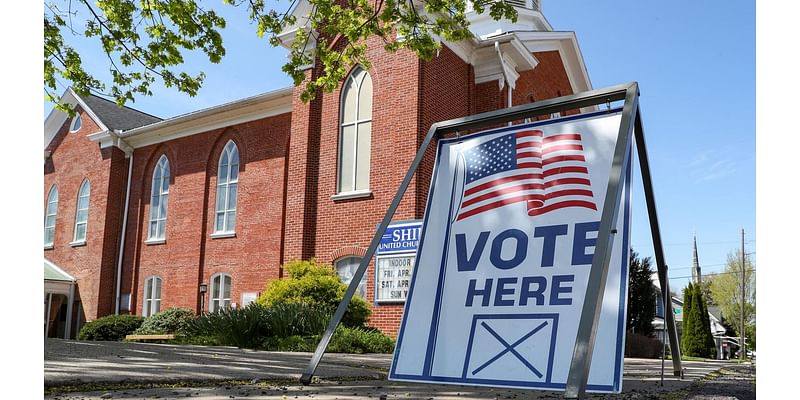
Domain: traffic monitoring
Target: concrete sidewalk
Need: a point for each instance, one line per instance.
(120, 370)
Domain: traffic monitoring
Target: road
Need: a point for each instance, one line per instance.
(118, 370)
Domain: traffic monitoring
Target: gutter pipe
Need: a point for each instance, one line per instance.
(129, 155)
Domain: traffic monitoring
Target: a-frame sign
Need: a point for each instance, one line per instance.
(529, 320)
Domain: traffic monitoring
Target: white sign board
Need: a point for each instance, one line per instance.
(394, 261)
(504, 258)
(393, 277)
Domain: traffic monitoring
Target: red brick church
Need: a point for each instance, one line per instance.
(202, 209)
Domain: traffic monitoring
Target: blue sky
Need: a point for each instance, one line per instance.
(695, 64)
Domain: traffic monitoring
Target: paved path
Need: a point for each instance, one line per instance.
(119, 370)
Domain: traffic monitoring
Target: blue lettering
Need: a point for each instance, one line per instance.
(486, 292)
(502, 291)
(526, 292)
(471, 263)
(549, 233)
(557, 289)
(520, 251)
(581, 242)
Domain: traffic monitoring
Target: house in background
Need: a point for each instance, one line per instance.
(723, 342)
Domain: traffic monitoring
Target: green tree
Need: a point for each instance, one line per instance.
(688, 320)
(641, 296)
(705, 332)
(726, 289)
(146, 40)
(696, 340)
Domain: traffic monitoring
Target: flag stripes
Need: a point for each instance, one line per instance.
(546, 172)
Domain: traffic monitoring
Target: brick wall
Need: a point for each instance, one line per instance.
(73, 159)
(288, 175)
(189, 255)
(548, 80)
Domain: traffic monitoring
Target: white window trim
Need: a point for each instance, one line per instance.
(223, 235)
(50, 200)
(219, 233)
(364, 278)
(162, 196)
(355, 124)
(151, 242)
(75, 240)
(221, 297)
(351, 195)
(145, 298)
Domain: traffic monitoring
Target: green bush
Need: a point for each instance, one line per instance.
(290, 343)
(172, 320)
(359, 340)
(296, 319)
(111, 328)
(197, 340)
(317, 285)
(243, 327)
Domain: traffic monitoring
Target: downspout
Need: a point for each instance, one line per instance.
(128, 154)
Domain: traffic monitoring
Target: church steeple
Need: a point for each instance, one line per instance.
(696, 276)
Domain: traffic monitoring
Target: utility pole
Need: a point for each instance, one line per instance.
(742, 348)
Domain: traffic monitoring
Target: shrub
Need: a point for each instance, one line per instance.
(641, 346)
(296, 319)
(359, 340)
(197, 340)
(290, 343)
(172, 320)
(111, 328)
(243, 327)
(317, 285)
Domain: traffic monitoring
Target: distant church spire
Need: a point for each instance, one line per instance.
(696, 276)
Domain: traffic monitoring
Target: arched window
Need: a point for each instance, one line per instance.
(158, 199)
(152, 296)
(220, 292)
(356, 132)
(50, 216)
(82, 212)
(227, 188)
(76, 124)
(346, 268)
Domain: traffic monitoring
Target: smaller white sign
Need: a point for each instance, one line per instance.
(248, 297)
(393, 274)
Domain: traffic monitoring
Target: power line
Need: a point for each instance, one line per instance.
(690, 243)
(701, 266)
(715, 273)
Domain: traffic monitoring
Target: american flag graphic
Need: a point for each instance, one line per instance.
(547, 172)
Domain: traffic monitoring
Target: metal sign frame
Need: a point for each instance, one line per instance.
(631, 126)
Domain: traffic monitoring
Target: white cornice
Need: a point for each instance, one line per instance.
(237, 112)
(527, 19)
(109, 138)
(505, 65)
(301, 12)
